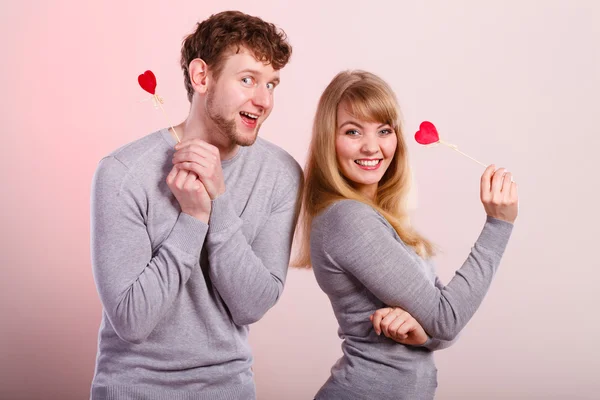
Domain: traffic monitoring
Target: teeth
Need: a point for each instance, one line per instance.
(365, 163)
(249, 115)
(370, 163)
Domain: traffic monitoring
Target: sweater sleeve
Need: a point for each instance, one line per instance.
(356, 239)
(136, 284)
(250, 276)
(434, 344)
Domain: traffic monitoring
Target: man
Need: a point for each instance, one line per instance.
(191, 244)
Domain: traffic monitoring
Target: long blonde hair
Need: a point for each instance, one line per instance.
(370, 99)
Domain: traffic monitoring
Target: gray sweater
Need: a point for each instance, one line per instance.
(178, 294)
(362, 265)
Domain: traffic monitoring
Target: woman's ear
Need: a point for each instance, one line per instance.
(198, 75)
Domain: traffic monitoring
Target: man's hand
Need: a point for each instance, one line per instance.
(190, 193)
(204, 160)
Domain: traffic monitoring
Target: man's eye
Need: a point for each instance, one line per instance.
(247, 80)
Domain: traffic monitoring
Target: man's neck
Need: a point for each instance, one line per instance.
(196, 128)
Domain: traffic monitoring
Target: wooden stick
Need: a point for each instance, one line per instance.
(455, 148)
(159, 102)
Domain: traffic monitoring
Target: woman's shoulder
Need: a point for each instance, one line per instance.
(347, 214)
(344, 207)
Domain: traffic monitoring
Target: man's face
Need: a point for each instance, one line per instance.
(242, 97)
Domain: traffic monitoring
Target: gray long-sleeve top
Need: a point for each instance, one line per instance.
(362, 265)
(177, 293)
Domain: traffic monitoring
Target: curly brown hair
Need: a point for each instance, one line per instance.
(215, 36)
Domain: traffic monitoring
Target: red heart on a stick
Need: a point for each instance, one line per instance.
(147, 81)
(427, 133)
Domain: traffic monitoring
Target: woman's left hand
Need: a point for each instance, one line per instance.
(398, 325)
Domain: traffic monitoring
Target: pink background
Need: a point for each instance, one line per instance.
(514, 83)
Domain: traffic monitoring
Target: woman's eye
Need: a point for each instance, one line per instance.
(352, 132)
(386, 131)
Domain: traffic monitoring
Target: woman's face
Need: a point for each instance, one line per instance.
(364, 150)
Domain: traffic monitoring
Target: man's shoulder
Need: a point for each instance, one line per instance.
(130, 153)
(139, 158)
(278, 158)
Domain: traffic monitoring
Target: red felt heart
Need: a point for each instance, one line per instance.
(427, 133)
(147, 81)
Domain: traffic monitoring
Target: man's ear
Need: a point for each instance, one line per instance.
(198, 75)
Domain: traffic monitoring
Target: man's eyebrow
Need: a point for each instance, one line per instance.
(276, 80)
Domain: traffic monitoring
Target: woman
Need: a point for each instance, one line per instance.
(374, 267)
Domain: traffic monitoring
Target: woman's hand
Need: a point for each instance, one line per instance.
(398, 325)
(499, 194)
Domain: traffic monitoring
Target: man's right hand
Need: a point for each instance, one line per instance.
(190, 193)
